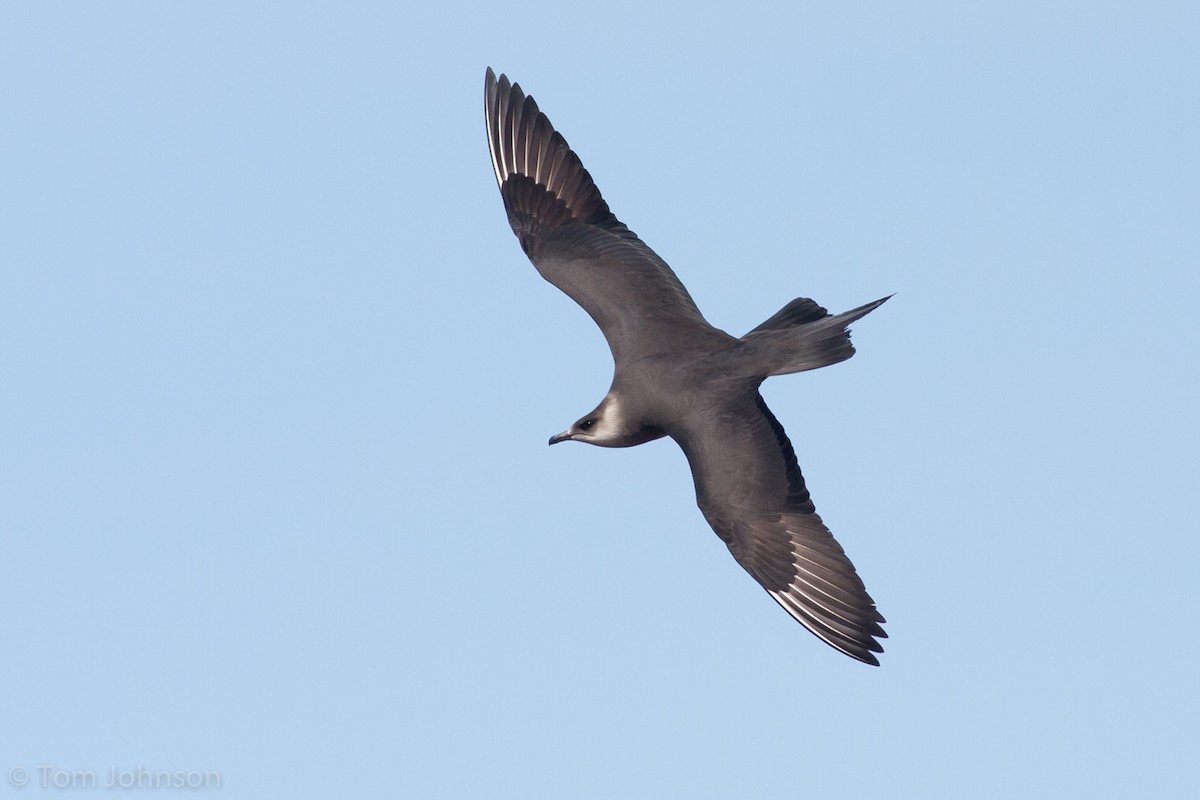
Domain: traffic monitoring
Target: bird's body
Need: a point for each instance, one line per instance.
(678, 376)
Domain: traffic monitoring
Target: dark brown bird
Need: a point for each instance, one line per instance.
(676, 375)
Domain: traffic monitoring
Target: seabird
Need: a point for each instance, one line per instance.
(676, 375)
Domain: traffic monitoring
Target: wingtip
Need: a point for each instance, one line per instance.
(864, 653)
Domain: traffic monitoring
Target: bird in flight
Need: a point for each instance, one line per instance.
(676, 375)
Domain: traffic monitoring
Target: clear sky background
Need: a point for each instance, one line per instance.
(276, 383)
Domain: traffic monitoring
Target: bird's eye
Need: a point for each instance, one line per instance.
(587, 424)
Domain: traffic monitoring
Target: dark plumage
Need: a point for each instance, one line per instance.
(676, 375)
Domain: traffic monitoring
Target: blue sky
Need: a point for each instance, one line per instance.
(275, 496)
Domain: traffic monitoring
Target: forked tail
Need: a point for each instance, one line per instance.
(802, 335)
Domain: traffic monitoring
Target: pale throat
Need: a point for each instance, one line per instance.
(612, 419)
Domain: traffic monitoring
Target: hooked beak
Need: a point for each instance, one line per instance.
(565, 436)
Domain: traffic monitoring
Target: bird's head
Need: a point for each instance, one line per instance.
(607, 426)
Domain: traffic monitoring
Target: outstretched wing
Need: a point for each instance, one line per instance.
(575, 242)
(750, 489)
